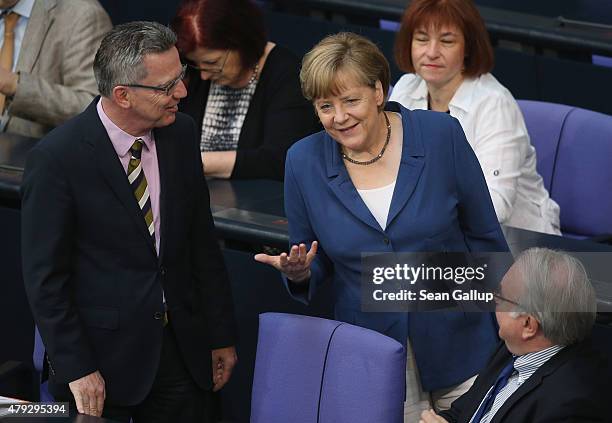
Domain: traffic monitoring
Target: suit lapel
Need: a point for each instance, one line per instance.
(40, 22)
(411, 165)
(341, 185)
(530, 384)
(534, 381)
(106, 159)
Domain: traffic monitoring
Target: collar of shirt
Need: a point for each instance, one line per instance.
(527, 364)
(461, 100)
(22, 8)
(464, 95)
(122, 141)
(420, 92)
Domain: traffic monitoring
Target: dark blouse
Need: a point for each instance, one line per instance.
(277, 117)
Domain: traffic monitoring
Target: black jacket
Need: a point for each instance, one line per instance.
(570, 387)
(93, 278)
(277, 117)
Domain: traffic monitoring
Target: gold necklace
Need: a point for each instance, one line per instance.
(379, 156)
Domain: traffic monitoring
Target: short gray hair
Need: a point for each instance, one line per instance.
(119, 59)
(557, 291)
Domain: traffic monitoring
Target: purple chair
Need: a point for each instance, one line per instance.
(574, 151)
(38, 358)
(583, 175)
(545, 123)
(313, 370)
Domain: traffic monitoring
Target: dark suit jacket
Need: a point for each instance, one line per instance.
(277, 117)
(440, 203)
(570, 387)
(93, 278)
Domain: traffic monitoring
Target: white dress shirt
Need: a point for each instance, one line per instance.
(494, 127)
(524, 367)
(23, 8)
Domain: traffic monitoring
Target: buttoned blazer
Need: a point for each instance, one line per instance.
(91, 272)
(55, 64)
(440, 203)
(572, 386)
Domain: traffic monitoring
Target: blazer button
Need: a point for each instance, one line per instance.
(158, 315)
(386, 241)
(162, 270)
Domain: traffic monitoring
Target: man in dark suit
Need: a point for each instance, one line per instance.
(544, 370)
(123, 272)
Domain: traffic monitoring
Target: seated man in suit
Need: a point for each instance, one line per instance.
(120, 262)
(544, 371)
(46, 58)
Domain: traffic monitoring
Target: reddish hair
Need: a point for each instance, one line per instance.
(460, 13)
(221, 25)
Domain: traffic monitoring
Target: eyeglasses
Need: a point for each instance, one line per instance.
(210, 69)
(166, 88)
(497, 295)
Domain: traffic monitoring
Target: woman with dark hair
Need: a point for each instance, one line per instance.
(444, 46)
(243, 91)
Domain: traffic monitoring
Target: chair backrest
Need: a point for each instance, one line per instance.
(300, 33)
(38, 355)
(574, 152)
(545, 123)
(311, 370)
(38, 358)
(583, 174)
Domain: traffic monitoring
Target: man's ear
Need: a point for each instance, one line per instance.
(530, 327)
(121, 96)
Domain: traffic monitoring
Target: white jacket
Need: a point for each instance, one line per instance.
(494, 127)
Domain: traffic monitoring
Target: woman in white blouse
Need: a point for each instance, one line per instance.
(444, 46)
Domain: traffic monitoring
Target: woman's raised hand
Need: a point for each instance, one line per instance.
(295, 265)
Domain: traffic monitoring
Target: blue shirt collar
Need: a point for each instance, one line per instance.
(23, 8)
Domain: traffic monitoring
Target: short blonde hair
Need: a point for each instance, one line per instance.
(344, 53)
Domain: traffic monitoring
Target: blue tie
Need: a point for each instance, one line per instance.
(501, 381)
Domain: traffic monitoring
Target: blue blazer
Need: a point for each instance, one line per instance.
(440, 203)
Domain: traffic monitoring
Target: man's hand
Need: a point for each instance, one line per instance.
(8, 82)
(430, 416)
(223, 362)
(89, 394)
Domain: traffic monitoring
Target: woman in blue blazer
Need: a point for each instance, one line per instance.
(384, 179)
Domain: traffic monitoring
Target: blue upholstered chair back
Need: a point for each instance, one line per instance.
(574, 150)
(313, 370)
(545, 124)
(38, 357)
